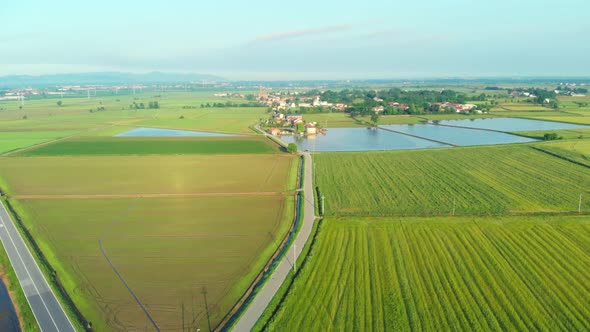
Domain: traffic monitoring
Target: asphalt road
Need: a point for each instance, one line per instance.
(272, 285)
(47, 310)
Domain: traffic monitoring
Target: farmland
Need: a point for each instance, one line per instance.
(15, 140)
(199, 217)
(126, 175)
(186, 213)
(168, 250)
(577, 151)
(565, 133)
(462, 273)
(482, 180)
(194, 215)
(178, 110)
(154, 146)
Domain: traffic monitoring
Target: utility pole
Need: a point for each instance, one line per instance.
(454, 204)
(580, 204)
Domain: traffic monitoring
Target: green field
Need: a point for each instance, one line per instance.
(167, 249)
(571, 119)
(564, 134)
(178, 110)
(577, 151)
(477, 180)
(154, 146)
(10, 140)
(444, 274)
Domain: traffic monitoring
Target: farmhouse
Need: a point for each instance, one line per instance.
(274, 131)
(295, 118)
(310, 129)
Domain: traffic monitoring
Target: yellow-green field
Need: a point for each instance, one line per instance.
(135, 175)
(185, 222)
(476, 180)
(443, 274)
(168, 250)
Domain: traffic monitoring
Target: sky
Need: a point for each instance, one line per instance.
(320, 39)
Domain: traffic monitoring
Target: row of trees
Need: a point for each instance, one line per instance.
(226, 104)
(574, 90)
(141, 106)
(367, 97)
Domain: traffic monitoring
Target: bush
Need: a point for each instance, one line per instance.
(551, 137)
(292, 148)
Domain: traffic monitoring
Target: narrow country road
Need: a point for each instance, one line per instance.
(272, 285)
(47, 310)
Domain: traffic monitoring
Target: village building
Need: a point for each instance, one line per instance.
(274, 131)
(310, 129)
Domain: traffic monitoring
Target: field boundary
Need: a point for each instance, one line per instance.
(553, 154)
(231, 317)
(447, 213)
(416, 136)
(54, 279)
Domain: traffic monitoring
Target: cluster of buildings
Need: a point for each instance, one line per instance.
(285, 124)
(522, 94)
(570, 93)
(459, 108)
(281, 101)
(379, 109)
(230, 95)
(20, 94)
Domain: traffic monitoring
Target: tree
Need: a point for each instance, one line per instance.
(59, 103)
(292, 148)
(375, 118)
(551, 137)
(300, 127)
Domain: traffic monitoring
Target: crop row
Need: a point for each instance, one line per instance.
(488, 180)
(442, 274)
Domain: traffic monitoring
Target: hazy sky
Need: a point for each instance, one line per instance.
(263, 39)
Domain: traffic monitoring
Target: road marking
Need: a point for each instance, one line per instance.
(30, 277)
(71, 325)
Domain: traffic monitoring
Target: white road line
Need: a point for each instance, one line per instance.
(71, 325)
(30, 277)
(26, 297)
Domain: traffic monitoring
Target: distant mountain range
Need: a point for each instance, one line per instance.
(103, 78)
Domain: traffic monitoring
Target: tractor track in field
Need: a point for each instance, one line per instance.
(115, 196)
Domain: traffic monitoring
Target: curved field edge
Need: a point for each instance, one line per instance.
(443, 273)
